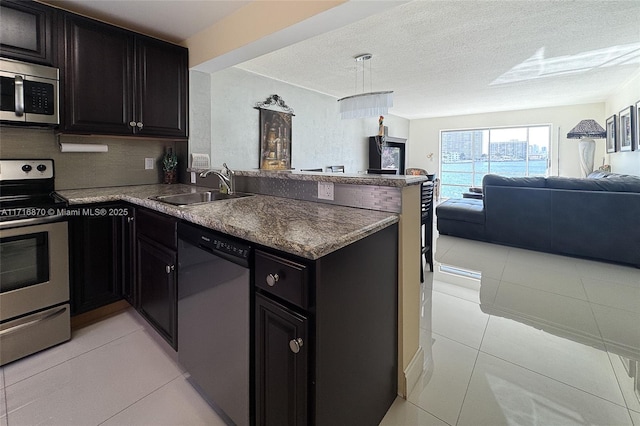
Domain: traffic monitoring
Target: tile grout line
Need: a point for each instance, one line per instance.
(428, 412)
(72, 358)
(556, 380)
(140, 399)
(475, 363)
(620, 387)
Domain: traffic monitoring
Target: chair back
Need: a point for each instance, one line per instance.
(426, 201)
(415, 171)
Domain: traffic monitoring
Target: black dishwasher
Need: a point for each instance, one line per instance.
(214, 318)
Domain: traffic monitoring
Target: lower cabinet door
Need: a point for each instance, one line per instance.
(158, 291)
(281, 365)
(95, 262)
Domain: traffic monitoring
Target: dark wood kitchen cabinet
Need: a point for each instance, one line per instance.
(122, 83)
(281, 379)
(28, 32)
(326, 334)
(156, 245)
(128, 250)
(98, 263)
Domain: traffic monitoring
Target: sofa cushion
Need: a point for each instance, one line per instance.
(530, 182)
(611, 182)
(465, 210)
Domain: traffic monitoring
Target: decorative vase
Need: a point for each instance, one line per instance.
(586, 149)
(170, 176)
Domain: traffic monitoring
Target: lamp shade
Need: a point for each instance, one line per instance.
(369, 104)
(366, 105)
(587, 129)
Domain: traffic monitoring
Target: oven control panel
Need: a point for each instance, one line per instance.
(25, 169)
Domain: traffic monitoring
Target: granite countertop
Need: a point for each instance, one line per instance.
(303, 228)
(397, 181)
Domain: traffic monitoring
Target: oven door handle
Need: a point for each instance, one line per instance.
(32, 322)
(19, 95)
(30, 221)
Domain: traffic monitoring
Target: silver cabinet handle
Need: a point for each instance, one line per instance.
(272, 279)
(295, 345)
(139, 124)
(132, 123)
(19, 94)
(170, 268)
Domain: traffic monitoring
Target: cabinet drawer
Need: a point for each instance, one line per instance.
(283, 278)
(158, 227)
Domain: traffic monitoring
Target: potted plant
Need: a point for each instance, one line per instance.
(169, 166)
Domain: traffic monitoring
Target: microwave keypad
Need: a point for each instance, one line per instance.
(38, 98)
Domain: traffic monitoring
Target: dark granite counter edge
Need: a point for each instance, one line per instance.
(276, 242)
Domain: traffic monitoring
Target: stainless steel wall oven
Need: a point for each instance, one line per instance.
(34, 260)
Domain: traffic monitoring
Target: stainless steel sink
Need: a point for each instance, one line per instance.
(190, 198)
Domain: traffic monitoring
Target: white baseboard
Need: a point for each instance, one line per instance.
(413, 371)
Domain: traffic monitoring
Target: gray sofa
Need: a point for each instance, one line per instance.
(597, 217)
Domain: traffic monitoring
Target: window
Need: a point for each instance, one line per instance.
(467, 155)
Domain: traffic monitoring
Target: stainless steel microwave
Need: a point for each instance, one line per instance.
(29, 93)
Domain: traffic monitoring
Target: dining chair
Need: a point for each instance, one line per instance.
(426, 225)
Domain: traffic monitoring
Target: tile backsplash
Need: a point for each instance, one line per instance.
(122, 165)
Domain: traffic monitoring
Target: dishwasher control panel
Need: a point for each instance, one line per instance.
(222, 244)
(214, 242)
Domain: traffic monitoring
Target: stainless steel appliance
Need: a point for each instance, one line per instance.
(29, 92)
(34, 260)
(213, 318)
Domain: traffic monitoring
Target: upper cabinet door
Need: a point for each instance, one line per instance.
(98, 78)
(161, 88)
(28, 32)
(121, 83)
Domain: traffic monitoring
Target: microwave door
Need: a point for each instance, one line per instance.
(28, 99)
(9, 98)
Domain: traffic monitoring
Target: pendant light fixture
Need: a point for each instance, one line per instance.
(368, 104)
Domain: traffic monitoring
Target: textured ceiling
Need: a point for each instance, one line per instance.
(440, 58)
(445, 58)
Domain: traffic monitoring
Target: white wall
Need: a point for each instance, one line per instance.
(199, 113)
(627, 95)
(424, 134)
(319, 137)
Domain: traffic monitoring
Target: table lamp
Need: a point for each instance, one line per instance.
(586, 131)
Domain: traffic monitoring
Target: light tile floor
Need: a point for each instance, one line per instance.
(115, 372)
(511, 337)
(516, 337)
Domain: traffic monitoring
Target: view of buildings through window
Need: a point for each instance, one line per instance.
(467, 155)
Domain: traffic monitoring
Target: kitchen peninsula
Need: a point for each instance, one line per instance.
(338, 247)
(305, 229)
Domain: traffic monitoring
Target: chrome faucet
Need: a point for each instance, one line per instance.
(226, 176)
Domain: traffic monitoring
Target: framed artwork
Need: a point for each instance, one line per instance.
(626, 129)
(611, 134)
(275, 134)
